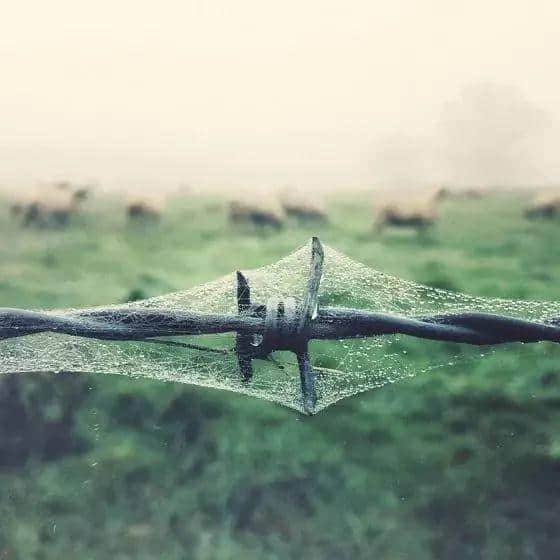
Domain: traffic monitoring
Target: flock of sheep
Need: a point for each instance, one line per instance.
(55, 204)
(418, 212)
(274, 209)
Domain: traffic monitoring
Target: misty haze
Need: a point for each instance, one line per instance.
(319, 95)
(280, 280)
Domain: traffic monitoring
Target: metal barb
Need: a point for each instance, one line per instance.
(243, 341)
(285, 328)
(281, 325)
(307, 376)
(308, 312)
(310, 302)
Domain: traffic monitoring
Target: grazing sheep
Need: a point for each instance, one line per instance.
(260, 212)
(303, 206)
(51, 206)
(418, 214)
(51, 209)
(546, 205)
(445, 193)
(144, 209)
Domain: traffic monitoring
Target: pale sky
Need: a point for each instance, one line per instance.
(243, 92)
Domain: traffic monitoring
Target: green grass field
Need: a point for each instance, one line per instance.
(458, 464)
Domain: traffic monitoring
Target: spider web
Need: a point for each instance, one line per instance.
(344, 367)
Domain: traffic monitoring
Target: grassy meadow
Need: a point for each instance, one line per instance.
(461, 464)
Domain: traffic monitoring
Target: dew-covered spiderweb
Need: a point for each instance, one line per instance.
(344, 367)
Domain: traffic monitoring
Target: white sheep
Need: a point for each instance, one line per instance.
(145, 208)
(544, 205)
(418, 214)
(47, 209)
(445, 193)
(51, 205)
(303, 206)
(259, 211)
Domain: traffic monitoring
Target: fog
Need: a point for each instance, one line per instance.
(322, 94)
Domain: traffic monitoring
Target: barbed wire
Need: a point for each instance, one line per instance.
(330, 323)
(281, 325)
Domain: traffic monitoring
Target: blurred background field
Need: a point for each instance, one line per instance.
(165, 112)
(458, 464)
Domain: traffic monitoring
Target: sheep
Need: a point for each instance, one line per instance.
(445, 193)
(545, 205)
(303, 206)
(52, 205)
(260, 212)
(419, 214)
(146, 209)
(52, 209)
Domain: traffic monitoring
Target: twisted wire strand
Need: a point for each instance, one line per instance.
(331, 323)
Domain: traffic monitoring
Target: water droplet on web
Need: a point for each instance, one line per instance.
(350, 366)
